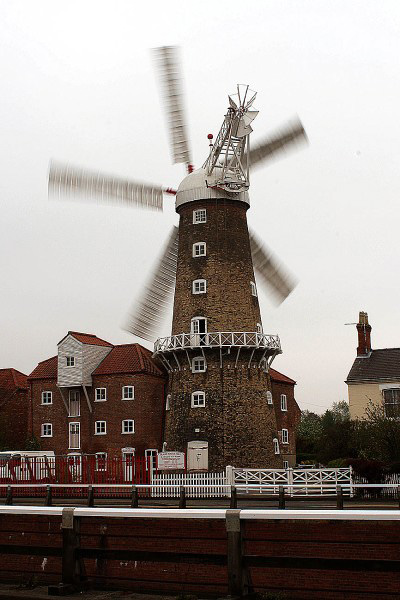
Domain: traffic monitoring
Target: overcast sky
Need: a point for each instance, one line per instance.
(78, 85)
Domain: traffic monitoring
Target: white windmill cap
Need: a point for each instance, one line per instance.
(198, 186)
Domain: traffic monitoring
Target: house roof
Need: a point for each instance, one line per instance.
(128, 358)
(11, 379)
(87, 338)
(276, 376)
(380, 365)
(47, 369)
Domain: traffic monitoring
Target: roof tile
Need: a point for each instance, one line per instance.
(383, 364)
(276, 376)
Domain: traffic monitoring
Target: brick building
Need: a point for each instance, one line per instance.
(97, 398)
(13, 409)
(287, 413)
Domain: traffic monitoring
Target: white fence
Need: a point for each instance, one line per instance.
(297, 482)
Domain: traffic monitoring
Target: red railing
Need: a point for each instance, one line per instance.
(75, 469)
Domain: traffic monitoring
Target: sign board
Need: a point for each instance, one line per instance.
(171, 460)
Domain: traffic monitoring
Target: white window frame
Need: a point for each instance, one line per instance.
(391, 402)
(253, 288)
(43, 434)
(202, 247)
(270, 399)
(199, 216)
(98, 425)
(283, 403)
(100, 389)
(98, 455)
(43, 397)
(71, 360)
(199, 286)
(194, 324)
(195, 363)
(275, 441)
(285, 436)
(72, 392)
(168, 402)
(151, 453)
(123, 426)
(69, 435)
(286, 464)
(128, 387)
(198, 402)
(259, 328)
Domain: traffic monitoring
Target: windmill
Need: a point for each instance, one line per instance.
(209, 263)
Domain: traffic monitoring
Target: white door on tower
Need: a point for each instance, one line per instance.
(197, 456)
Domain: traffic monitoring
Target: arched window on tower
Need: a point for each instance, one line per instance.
(199, 364)
(253, 289)
(269, 397)
(276, 446)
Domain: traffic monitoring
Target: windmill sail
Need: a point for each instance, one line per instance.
(271, 273)
(148, 311)
(69, 182)
(287, 136)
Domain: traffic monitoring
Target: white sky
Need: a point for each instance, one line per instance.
(78, 85)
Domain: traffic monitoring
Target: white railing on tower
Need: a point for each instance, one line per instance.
(218, 339)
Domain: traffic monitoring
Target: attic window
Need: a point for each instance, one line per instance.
(70, 361)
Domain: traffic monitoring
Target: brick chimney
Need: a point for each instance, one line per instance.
(364, 335)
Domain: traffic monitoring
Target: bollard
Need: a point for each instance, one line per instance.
(134, 498)
(182, 498)
(9, 497)
(281, 497)
(233, 503)
(90, 501)
(49, 496)
(339, 497)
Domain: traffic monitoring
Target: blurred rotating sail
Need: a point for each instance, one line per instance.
(148, 311)
(70, 181)
(278, 280)
(290, 134)
(170, 73)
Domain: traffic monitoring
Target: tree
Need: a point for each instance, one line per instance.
(377, 436)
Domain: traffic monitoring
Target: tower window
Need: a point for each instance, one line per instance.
(199, 216)
(198, 399)
(168, 402)
(276, 446)
(259, 328)
(283, 402)
(199, 286)
(269, 398)
(199, 364)
(285, 436)
(199, 249)
(253, 289)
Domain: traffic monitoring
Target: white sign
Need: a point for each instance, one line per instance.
(171, 460)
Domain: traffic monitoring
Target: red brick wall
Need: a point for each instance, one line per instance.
(147, 410)
(14, 415)
(286, 419)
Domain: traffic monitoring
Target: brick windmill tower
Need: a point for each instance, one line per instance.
(219, 405)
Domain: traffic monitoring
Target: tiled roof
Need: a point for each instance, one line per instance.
(128, 358)
(276, 376)
(88, 338)
(46, 369)
(11, 379)
(380, 365)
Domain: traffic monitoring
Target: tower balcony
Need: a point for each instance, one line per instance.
(270, 344)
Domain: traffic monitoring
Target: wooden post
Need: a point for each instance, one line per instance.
(235, 564)
(9, 497)
(182, 498)
(49, 497)
(339, 497)
(281, 497)
(70, 562)
(134, 498)
(233, 503)
(90, 501)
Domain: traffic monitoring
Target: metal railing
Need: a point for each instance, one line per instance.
(218, 339)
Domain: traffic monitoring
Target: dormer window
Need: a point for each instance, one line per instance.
(199, 216)
(253, 289)
(199, 249)
(199, 286)
(70, 361)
